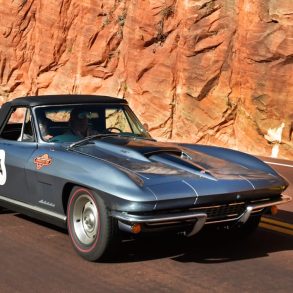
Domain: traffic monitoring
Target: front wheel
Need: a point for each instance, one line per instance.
(92, 232)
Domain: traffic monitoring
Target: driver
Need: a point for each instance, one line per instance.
(78, 127)
(78, 123)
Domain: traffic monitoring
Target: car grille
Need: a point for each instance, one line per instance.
(225, 211)
(215, 213)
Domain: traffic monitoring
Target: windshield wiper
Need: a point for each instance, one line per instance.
(89, 138)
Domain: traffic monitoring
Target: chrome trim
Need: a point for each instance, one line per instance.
(155, 219)
(199, 217)
(257, 210)
(167, 223)
(217, 206)
(223, 221)
(198, 225)
(250, 208)
(253, 208)
(260, 200)
(236, 203)
(34, 208)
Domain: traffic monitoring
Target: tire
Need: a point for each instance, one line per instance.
(93, 233)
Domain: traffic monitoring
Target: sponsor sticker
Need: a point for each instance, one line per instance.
(42, 161)
(3, 174)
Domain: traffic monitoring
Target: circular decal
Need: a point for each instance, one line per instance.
(3, 175)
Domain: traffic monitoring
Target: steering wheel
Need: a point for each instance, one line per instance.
(114, 128)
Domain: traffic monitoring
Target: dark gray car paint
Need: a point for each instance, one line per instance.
(17, 158)
(128, 182)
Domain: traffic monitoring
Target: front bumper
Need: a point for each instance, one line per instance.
(197, 218)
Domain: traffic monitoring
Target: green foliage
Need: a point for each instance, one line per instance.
(167, 12)
(106, 21)
(122, 18)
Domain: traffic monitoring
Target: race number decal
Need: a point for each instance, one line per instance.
(3, 175)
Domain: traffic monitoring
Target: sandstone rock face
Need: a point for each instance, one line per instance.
(199, 71)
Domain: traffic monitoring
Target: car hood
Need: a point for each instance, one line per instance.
(156, 161)
(167, 172)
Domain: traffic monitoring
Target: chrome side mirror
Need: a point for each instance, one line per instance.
(146, 126)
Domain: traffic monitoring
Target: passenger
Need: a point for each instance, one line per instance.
(44, 125)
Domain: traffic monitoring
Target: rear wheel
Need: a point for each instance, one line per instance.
(92, 232)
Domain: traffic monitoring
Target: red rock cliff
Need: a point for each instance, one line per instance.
(206, 71)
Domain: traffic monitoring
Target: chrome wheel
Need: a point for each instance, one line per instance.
(85, 219)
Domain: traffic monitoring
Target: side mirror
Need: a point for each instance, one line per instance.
(146, 126)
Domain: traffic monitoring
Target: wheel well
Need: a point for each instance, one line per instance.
(65, 195)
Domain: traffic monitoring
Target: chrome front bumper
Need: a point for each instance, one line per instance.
(200, 218)
(252, 207)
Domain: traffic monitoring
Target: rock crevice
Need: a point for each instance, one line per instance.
(207, 71)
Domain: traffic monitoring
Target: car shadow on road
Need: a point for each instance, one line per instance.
(206, 247)
(40, 222)
(283, 216)
(5, 211)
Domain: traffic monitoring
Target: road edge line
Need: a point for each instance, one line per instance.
(277, 223)
(276, 228)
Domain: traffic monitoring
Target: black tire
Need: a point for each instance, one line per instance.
(93, 233)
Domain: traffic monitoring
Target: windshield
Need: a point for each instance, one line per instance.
(71, 123)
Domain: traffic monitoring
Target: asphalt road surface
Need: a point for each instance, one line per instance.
(36, 257)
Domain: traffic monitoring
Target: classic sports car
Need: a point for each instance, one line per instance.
(87, 163)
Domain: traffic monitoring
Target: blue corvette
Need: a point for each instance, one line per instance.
(87, 163)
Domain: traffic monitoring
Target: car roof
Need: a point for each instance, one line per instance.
(33, 101)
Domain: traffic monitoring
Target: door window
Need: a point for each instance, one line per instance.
(19, 126)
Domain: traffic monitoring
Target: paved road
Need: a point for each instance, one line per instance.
(35, 257)
(39, 258)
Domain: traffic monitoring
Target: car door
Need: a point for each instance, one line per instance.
(17, 143)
